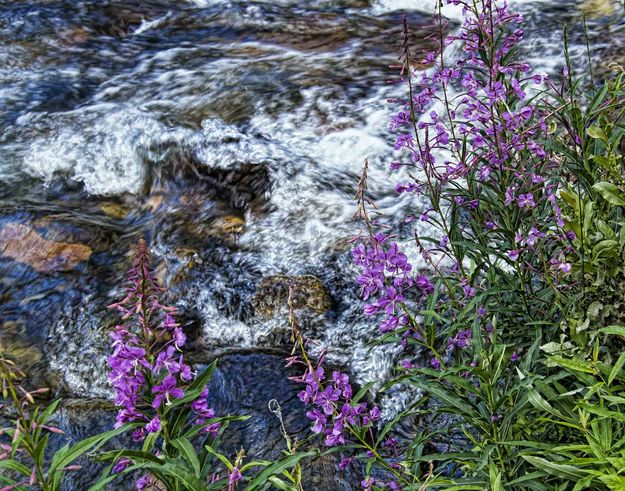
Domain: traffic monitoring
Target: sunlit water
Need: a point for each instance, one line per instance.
(231, 135)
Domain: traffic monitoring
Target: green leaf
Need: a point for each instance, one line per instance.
(277, 468)
(600, 411)
(495, 477)
(203, 378)
(605, 249)
(610, 193)
(618, 366)
(598, 133)
(613, 482)
(222, 458)
(12, 465)
(150, 441)
(540, 403)
(66, 455)
(137, 456)
(45, 416)
(571, 199)
(583, 483)
(188, 453)
(559, 470)
(182, 476)
(281, 485)
(573, 364)
(363, 391)
(617, 330)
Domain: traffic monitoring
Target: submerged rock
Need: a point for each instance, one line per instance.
(24, 244)
(307, 292)
(15, 345)
(114, 210)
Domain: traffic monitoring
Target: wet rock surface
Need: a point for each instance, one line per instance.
(25, 245)
(303, 292)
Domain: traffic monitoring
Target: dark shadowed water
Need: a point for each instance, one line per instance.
(231, 136)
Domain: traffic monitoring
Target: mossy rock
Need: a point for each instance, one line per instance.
(308, 293)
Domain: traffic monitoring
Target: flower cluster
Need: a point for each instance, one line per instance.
(473, 138)
(387, 275)
(148, 371)
(335, 411)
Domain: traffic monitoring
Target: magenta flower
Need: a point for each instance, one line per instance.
(234, 476)
(327, 398)
(526, 200)
(143, 482)
(121, 465)
(166, 390)
(154, 425)
(179, 338)
(319, 419)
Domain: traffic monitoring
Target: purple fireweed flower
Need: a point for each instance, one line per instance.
(514, 254)
(169, 323)
(424, 284)
(371, 282)
(368, 483)
(509, 196)
(138, 435)
(516, 86)
(143, 482)
(121, 465)
(526, 200)
(345, 462)
(462, 339)
(400, 119)
(166, 390)
(154, 425)
(148, 327)
(341, 382)
(184, 371)
(165, 359)
(179, 338)
(392, 297)
(333, 439)
(468, 290)
(327, 399)
(320, 420)
(403, 141)
(389, 324)
(212, 429)
(127, 415)
(396, 260)
(234, 476)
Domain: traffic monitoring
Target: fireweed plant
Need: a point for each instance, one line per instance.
(164, 403)
(25, 460)
(522, 180)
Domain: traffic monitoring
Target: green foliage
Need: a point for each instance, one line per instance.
(537, 399)
(26, 465)
(181, 456)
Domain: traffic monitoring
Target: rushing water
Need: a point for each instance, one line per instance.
(231, 135)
